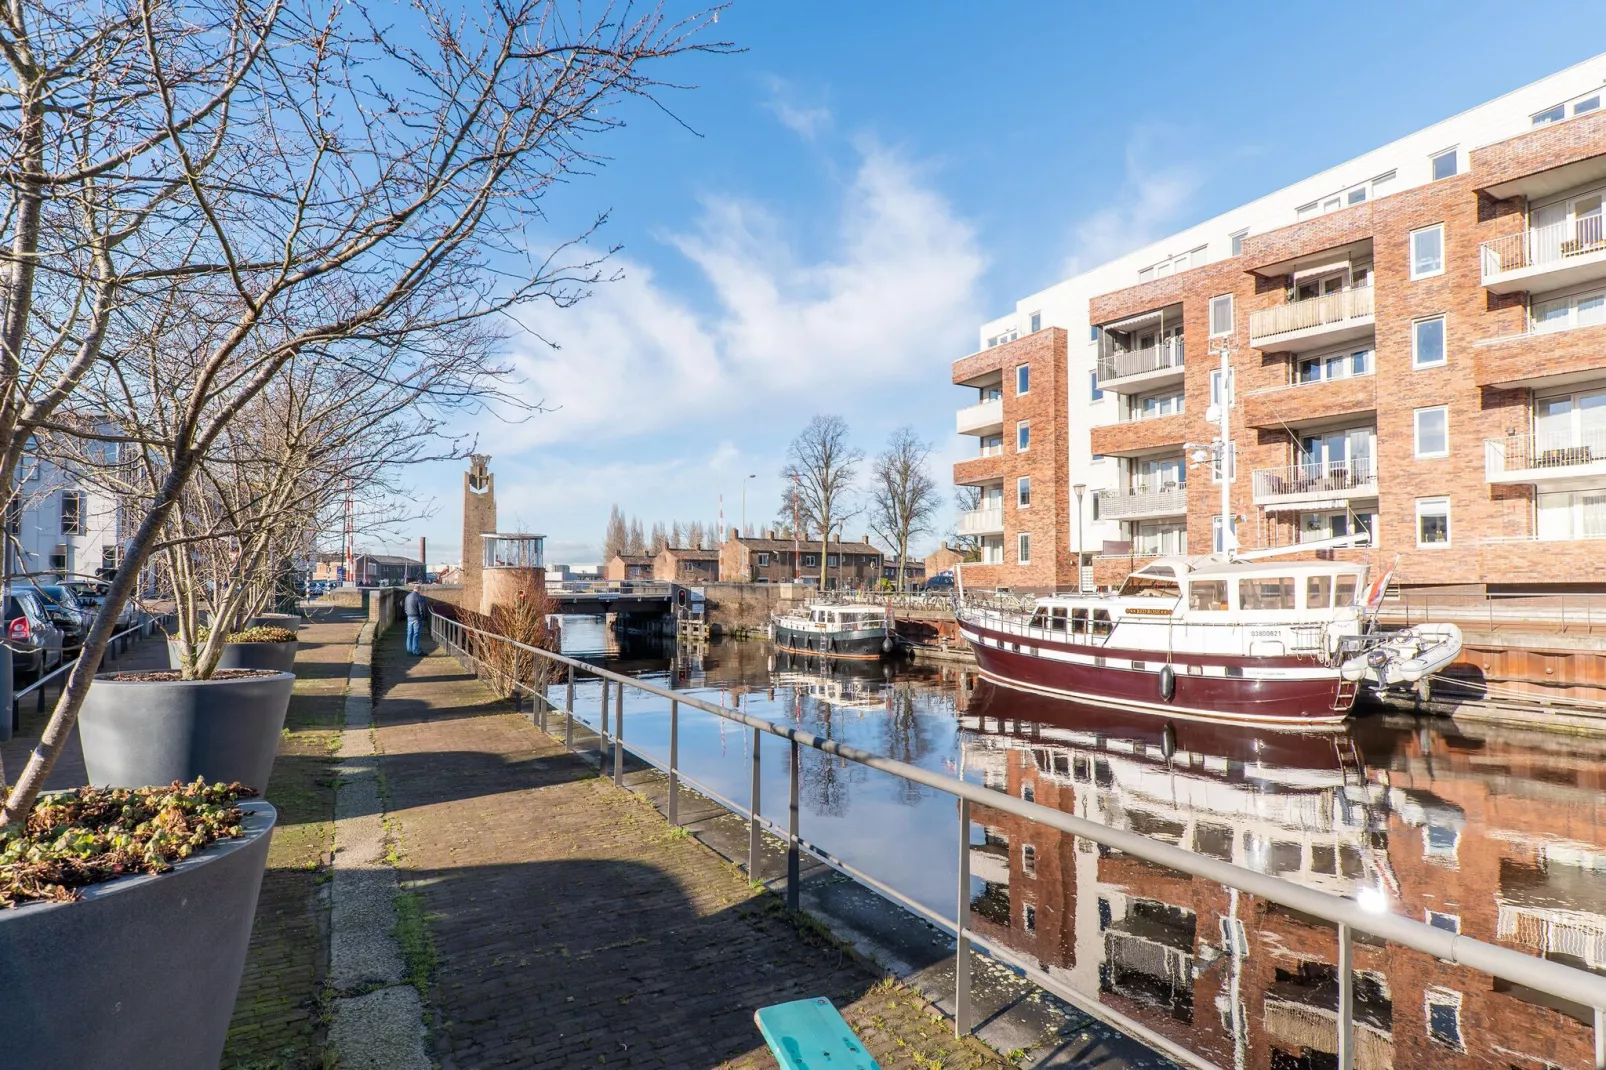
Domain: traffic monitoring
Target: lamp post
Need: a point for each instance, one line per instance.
(1078, 489)
(744, 504)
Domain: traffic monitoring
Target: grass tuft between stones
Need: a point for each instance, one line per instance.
(412, 936)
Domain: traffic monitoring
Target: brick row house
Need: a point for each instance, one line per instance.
(771, 559)
(1415, 344)
(682, 564)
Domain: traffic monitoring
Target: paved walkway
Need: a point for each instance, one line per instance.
(567, 923)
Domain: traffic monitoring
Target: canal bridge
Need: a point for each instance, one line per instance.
(604, 597)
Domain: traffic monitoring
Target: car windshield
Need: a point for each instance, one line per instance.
(60, 595)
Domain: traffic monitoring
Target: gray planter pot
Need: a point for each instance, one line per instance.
(280, 657)
(277, 620)
(140, 973)
(137, 733)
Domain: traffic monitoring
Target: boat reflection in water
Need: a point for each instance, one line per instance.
(1378, 815)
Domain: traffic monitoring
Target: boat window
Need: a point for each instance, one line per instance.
(1149, 587)
(1207, 594)
(1057, 621)
(1078, 621)
(1344, 590)
(1039, 618)
(1101, 622)
(1266, 592)
(1318, 592)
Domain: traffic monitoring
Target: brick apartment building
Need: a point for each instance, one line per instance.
(682, 564)
(1416, 349)
(771, 559)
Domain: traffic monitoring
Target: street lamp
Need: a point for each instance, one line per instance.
(1078, 489)
(744, 504)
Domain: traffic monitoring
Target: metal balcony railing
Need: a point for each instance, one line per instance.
(1543, 452)
(1548, 246)
(1140, 361)
(981, 521)
(1331, 310)
(1344, 478)
(1143, 500)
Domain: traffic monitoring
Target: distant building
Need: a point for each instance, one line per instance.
(63, 526)
(681, 564)
(769, 559)
(913, 571)
(370, 570)
(944, 558)
(628, 567)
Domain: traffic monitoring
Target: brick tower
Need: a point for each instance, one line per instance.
(479, 517)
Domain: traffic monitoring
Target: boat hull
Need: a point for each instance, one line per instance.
(860, 644)
(1290, 691)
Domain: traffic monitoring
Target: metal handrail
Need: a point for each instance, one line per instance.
(112, 647)
(1553, 978)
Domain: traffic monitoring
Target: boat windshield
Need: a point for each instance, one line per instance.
(1144, 586)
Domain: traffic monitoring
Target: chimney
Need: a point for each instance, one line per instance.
(735, 534)
(423, 562)
(867, 537)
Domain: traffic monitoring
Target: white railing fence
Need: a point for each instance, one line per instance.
(1542, 246)
(1311, 312)
(1544, 450)
(1316, 477)
(1142, 499)
(1141, 361)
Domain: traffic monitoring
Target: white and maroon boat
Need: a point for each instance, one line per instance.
(1215, 638)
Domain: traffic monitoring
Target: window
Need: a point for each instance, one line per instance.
(1450, 923)
(1160, 538)
(58, 563)
(109, 558)
(1342, 365)
(1093, 377)
(1237, 241)
(1023, 549)
(1023, 436)
(763, 560)
(1587, 104)
(811, 560)
(1427, 251)
(1215, 387)
(1037, 322)
(1442, 1008)
(1145, 274)
(1029, 917)
(1023, 379)
(1093, 333)
(1232, 464)
(1338, 523)
(831, 561)
(1565, 313)
(1215, 533)
(1152, 405)
(1266, 592)
(1028, 860)
(1318, 592)
(1208, 595)
(1572, 514)
(1023, 491)
(1305, 211)
(1220, 315)
(1432, 523)
(1028, 793)
(1000, 339)
(1433, 431)
(1427, 343)
(1443, 164)
(72, 512)
(1550, 115)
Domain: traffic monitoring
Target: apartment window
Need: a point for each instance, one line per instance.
(1023, 549)
(1550, 115)
(1215, 532)
(1305, 211)
(762, 560)
(1238, 242)
(1215, 387)
(1587, 104)
(1427, 342)
(109, 558)
(72, 512)
(1572, 514)
(1450, 923)
(1023, 491)
(1221, 315)
(1341, 365)
(1443, 164)
(1433, 431)
(1565, 313)
(831, 560)
(1093, 379)
(1168, 404)
(992, 445)
(1093, 333)
(811, 560)
(1145, 274)
(1023, 436)
(1427, 251)
(1028, 860)
(1023, 380)
(1432, 523)
(1442, 1008)
(1037, 322)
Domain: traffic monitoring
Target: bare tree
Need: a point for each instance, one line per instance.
(613, 542)
(636, 542)
(967, 500)
(823, 467)
(903, 496)
(319, 181)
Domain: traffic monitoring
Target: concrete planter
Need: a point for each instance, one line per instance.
(277, 620)
(140, 973)
(280, 657)
(137, 732)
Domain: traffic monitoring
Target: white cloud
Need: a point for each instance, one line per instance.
(1159, 186)
(895, 296)
(806, 121)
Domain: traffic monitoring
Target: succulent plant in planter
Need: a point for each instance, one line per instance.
(256, 647)
(103, 893)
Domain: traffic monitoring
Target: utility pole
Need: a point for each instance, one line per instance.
(1229, 538)
(797, 546)
(744, 503)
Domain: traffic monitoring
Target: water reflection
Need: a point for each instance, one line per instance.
(1495, 833)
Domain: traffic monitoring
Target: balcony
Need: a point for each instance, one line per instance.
(1318, 321)
(1540, 358)
(1316, 483)
(1141, 502)
(1151, 366)
(985, 418)
(1132, 438)
(1304, 404)
(1545, 258)
(982, 522)
(1546, 458)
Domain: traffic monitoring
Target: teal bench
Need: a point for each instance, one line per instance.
(809, 1034)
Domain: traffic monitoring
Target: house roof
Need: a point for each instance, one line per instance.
(686, 553)
(810, 547)
(633, 559)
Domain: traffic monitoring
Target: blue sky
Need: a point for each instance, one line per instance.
(867, 182)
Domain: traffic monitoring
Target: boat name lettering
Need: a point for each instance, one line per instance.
(1144, 611)
(1265, 633)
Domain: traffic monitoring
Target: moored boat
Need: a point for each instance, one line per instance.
(1252, 641)
(831, 630)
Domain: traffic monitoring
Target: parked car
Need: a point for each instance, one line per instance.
(941, 583)
(67, 613)
(35, 642)
(91, 595)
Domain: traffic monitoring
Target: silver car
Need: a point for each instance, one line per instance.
(34, 641)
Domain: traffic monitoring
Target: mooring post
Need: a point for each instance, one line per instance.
(792, 866)
(962, 928)
(619, 736)
(754, 836)
(674, 763)
(1346, 1000)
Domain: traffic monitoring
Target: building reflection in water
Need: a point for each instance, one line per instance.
(1494, 837)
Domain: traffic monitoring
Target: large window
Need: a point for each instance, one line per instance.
(1340, 365)
(1433, 431)
(1160, 538)
(1432, 523)
(1207, 595)
(1220, 315)
(1427, 342)
(1023, 379)
(1023, 548)
(72, 512)
(1023, 492)
(1152, 405)
(1564, 313)
(1572, 514)
(1427, 251)
(1337, 524)
(1266, 592)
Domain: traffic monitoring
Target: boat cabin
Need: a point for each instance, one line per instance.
(849, 617)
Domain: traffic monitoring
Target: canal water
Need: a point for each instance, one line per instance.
(1499, 834)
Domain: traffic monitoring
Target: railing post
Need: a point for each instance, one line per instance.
(1346, 1001)
(754, 836)
(792, 862)
(674, 763)
(619, 736)
(1600, 1039)
(602, 739)
(962, 928)
(568, 712)
(538, 700)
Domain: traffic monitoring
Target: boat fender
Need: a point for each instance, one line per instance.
(1168, 682)
(886, 645)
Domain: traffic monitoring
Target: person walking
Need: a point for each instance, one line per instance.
(416, 611)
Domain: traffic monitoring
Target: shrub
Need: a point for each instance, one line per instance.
(262, 633)
(86, 836)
